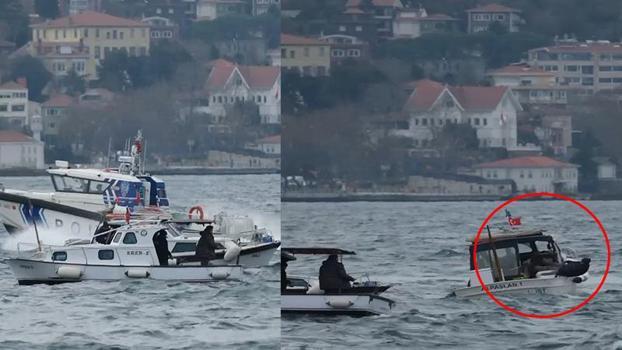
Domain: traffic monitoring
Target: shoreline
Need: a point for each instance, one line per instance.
(411, 197)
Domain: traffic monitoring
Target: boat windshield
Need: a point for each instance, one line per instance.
(78, 185)
(508, 261)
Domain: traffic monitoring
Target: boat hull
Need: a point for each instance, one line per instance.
(340, 304)
(33, 272)
(546, 285)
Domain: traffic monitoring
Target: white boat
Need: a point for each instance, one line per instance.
(83, 196)
(303, 295)
(515, 260)
(130, 255)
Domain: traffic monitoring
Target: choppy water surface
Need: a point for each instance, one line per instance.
(422, 248)
(149, 314)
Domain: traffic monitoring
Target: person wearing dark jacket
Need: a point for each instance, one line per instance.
(206, 247)
(333, 275)
(161, 247)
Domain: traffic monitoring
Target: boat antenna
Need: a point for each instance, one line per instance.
(34, 223)
(494, 253)
(109, 150)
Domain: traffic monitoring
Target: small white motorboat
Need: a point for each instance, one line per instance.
(516, 260)
(131, 254)
(303, 295)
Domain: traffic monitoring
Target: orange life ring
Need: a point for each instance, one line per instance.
(198, 210)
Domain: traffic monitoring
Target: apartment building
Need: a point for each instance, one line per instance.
(532, 85)
(14, 103)
(79, 42)
(589, 66)
(480, 18)
(308, 56)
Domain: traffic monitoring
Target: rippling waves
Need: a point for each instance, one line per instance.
(422, 248)
(150, 314)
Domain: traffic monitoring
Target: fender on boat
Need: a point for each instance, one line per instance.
(137, 273)
(232, 253)
(339, 303)
(69, 272)
(219, 275)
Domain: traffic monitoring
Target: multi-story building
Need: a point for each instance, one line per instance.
(413, 23)
(161, 28)
(208, 10)
(79, 42)
(73, 7)
(384, 12)
(18, 150)
(179, 13)
(589, 66)
(491, 111)
(345, 47)
(354, 22)
(259, 7)
(307, 56)
(533, 173)
(14, 103)
(54, 111)
(480, 18)
(532, 85)
(229, 83)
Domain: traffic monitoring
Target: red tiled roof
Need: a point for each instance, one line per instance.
(520, 69)
(11, 85)
(90, 19)
(59, 101)
(527, 162)
(256, 77)
(288, 39)
(379, 3)
(260, 76)
(478, 97)
(493, 8)
(276, 139)
(353, 11)
(426, 92)
(14, 136)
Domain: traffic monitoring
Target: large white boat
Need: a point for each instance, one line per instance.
(303, 295)
(131, 254)
(517, 260)
(82, 197)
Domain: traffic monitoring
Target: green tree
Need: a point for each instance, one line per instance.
(47, 9)
(13, 22)
(35, 73)
(587, 146)
(73, 83)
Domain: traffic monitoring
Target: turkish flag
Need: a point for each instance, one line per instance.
(514, 221)
(128, 215)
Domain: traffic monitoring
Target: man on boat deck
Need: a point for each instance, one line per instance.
(161, 247)
(333, 275)
(206, 247)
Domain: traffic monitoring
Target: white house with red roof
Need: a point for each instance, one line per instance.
(491, 110)
(533, 173)
(411, 23)
(14, 106)
(229, 83)
(270, 145)
(18, 150)
(480, 18)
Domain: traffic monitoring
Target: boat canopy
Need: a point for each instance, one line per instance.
(317, 251)
(502, 235)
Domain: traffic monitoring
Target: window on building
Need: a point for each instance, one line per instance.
(131, 32)
(121, 34)
(424, 121)
(342, 28)
(358, 28)
(322, 53)
(306, 52)
(86, 32)
(107, 35)
(18, 108)
(292, 54)
(587, 69)
(97, 52)
(114, 34)
(143, 51)
(4, 108)
(97, 32)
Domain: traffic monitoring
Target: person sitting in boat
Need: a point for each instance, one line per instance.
(104, 238)
(206, 247)
(541, 261)
(161, 247)
(333, 275)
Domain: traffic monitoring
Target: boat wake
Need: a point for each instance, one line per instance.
(26, 239)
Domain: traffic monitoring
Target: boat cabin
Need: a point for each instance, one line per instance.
(520, 254)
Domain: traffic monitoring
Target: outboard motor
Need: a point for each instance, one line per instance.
(574, 268)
